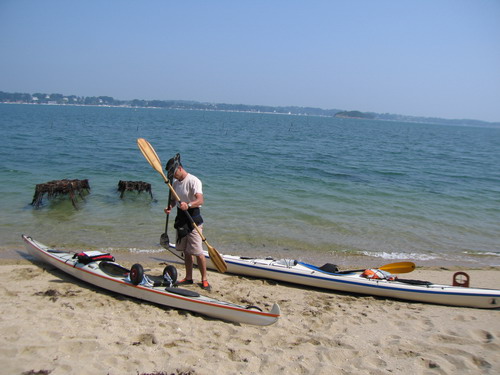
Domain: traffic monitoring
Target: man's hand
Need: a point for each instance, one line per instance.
(183, 206)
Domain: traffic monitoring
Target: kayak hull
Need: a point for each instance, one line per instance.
(93, 274)
(292, 271)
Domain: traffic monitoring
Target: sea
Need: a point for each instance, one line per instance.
(316, 189)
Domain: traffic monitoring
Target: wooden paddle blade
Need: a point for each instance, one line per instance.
(150, 154)
(400, 267)
(216, 259)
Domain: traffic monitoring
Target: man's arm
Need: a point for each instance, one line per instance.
(198, 202)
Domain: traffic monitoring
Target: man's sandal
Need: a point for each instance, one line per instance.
(205, 285)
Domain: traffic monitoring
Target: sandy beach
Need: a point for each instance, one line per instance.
(54, 324)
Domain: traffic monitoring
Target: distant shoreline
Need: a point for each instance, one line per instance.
(107, 101)
(160, 108)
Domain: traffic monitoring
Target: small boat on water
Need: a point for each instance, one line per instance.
(328, 277)
(99, 269)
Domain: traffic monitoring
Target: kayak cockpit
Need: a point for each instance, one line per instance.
(113, 269)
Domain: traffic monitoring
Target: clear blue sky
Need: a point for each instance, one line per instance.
(416, 57)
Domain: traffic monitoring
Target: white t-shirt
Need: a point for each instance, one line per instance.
(188, 188)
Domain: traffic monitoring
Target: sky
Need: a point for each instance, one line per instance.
(432, 58)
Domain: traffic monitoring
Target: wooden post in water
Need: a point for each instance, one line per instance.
(60, 187)
(138, 186)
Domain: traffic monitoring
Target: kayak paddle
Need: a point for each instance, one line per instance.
(153, 159)
(399, 267)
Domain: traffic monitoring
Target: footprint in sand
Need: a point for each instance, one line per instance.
(484, 336)
(27, 273)
(147, 339)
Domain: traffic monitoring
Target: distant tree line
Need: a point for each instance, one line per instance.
(43, 98)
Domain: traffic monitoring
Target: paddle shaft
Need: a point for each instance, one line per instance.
(166, 222)
(164, 240)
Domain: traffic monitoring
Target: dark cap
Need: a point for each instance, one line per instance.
(172, 166)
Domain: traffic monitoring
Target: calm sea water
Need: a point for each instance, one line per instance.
(287, 186)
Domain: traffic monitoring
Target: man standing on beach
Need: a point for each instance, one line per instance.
(189, 189)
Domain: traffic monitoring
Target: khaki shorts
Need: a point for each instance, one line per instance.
(192, 243)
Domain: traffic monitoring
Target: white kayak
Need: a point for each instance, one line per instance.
(112, 276)
(293, 271)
